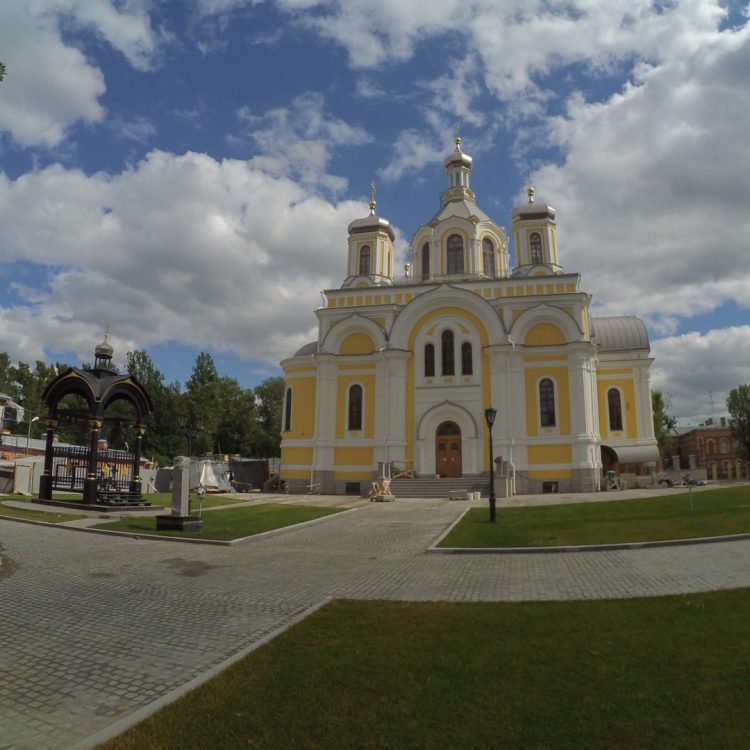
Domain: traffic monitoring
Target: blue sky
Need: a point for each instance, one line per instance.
(186, 171)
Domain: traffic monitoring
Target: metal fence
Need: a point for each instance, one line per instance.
(114, 468)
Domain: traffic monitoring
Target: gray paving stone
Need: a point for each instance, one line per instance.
(96, 627)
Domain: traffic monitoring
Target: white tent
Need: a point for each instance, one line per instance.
(212, 475)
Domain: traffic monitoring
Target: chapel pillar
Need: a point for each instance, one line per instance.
(45, 481)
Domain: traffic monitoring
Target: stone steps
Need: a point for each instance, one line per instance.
(444, 487)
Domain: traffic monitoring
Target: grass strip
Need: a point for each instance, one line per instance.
(715, 512)
(37, 515)
(669, 672)
(233, 523)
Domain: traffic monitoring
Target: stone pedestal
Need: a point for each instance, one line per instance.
(180, 518)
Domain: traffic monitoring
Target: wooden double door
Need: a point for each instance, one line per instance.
(448, 450)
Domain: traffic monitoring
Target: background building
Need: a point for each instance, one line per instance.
(710, 446)
(406, 363)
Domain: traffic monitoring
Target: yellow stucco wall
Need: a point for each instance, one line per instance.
(303, 408)
(550, 474)
(356, 343)
(629, 417)
(550, 454)
(544, 334)
(357, 456)
(297, 456)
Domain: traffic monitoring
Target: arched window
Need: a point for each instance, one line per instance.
(429, 361)
(467, 365)
(425, 261)
(355, 407)
(614, 403)
(488, 257)
(455, 254)
(723, 446)
(288, 410)
(448, 364)
(547, 403)
(364, 260)
(535, 246)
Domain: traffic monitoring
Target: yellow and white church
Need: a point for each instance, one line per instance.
(406, 365)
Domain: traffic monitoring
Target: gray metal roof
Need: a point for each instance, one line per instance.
(621, 333)
(307, 349)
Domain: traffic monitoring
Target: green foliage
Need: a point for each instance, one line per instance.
(663, 423)
(738, 406)
(162, 439)
(269, 397)
(2, 71)
(237, 420)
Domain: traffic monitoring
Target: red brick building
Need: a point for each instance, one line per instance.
(710, 446)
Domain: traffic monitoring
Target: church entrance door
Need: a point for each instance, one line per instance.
(448, 450)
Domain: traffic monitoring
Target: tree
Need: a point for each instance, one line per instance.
(269, 396)
(2, 71)
(738, 406)
(202, 399)
(663, 423)
(162, 439)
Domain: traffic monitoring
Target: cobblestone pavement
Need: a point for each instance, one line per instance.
(93, 628)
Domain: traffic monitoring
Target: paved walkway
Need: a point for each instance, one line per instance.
(93, 628)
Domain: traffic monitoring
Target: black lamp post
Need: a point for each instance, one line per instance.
(489, 415)
(192, 427)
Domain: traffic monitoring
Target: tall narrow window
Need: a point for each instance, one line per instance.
(288, 410)
(488, 257)
(455, 254)
(535, 246)
(614, 402)
(429, 361)
(355, 407)
(425, 261)
(467, 364)
(448, 361)
(364, 260)
(547, 403)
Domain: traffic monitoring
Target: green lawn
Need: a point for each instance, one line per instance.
(30, 514)
(233, 523)
(670, 672)
(164, 500)
(715, 512)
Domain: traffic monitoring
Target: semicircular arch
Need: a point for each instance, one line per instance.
(550, 315)
(447, 411)
(354, 324)
(446, 300)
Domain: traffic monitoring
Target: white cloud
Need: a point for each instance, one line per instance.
(299, 141)
(652, 196)
(178, 248)
(50, 84)
(697, 371)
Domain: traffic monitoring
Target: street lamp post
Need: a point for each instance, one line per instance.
(489, 415)
(192, 427)
(28, 434)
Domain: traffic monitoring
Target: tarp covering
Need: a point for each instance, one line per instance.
(212, 475)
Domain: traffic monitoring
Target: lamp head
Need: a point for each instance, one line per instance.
(489, 415)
